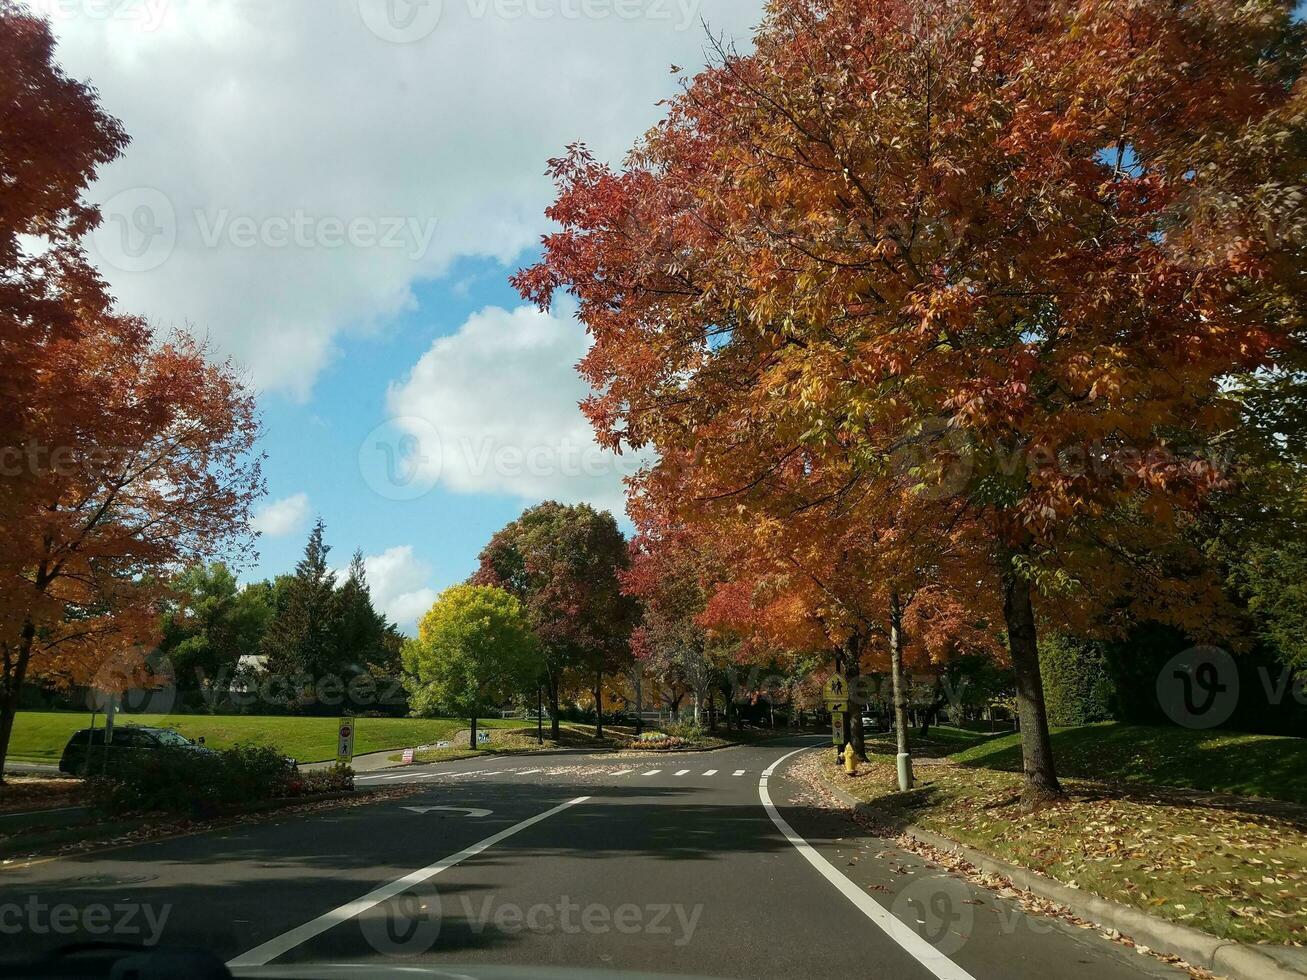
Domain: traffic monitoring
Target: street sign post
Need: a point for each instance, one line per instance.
(345, 741)
(836, 695)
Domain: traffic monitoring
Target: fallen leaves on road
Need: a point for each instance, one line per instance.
(811, 770)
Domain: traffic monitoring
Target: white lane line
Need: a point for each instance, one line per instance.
(681, 772)
(710, 772)
(263, 954)
(527, 772)
(651, 772)
(621, 772)
(739, 772)
(897, 930)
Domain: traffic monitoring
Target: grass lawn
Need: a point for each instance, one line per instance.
(1210, 761)
(1139, 827)
(1234, 871)
(40, 736)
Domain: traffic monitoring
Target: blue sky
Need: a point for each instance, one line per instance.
(313, 449)
(333, 193)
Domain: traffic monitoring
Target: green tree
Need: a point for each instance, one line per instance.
(474, 648)
(1077, 682)
(564, 564)
(359, 630)
(210, 625)
(299, 641)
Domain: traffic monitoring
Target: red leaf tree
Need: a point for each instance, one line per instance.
(998, 233)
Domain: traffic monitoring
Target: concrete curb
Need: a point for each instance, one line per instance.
(1237, 960)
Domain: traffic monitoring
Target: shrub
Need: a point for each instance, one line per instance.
(686, 730)
(181, 780)
(337, 779)
(1078, 687)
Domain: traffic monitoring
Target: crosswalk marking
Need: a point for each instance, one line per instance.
(408, 774)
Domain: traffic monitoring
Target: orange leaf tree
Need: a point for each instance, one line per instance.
(968, 227)
(124, 454)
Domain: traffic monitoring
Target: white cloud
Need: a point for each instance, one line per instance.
(282, 517)
(399, 583)
(293, 172)
(496, 409)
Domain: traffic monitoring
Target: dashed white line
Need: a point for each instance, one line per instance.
(711, 772)
(527, 772)
(651, 772)
(739, 772)
(681, 772)
(621, 772)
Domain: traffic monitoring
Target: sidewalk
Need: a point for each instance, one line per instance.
(32, 768)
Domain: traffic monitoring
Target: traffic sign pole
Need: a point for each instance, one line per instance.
(836, 695)
(345, 741)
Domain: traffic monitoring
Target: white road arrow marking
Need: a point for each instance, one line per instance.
(471, 811)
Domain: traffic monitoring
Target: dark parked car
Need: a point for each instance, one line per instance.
(128, 742)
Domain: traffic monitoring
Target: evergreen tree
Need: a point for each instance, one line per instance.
(359, 630)
(300, 640)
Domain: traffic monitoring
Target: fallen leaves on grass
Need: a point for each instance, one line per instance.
(37, 792)
(811, 769)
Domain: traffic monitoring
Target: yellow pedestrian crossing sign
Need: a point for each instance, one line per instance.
(836, 693)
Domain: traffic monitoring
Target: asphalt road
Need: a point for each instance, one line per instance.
(674, 865)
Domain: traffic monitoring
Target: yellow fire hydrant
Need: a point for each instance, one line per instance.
(850, 761)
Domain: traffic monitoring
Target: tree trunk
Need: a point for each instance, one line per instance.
(931, 714)
(637, 682)
(897, 682)
(1041, 785)
(553, 706)
(853, 718)
(472, 733)
(10, 686)
(599, 704)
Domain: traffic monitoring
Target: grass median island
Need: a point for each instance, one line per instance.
(1215, 761)
(1234, 867)
(522, 739)
(40, 736)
